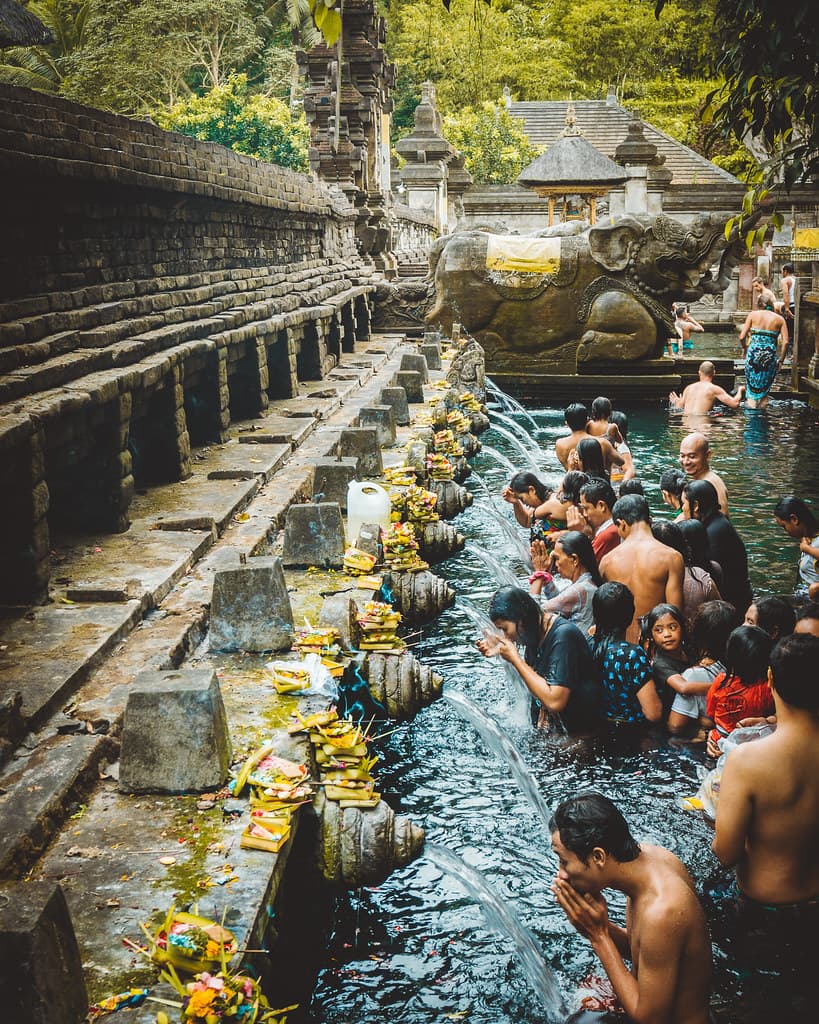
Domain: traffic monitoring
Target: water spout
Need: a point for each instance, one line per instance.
(501, 918)
(500, 458)
(475, 477)
(516, 442)
(500, 744)
(504, 576)
(512, 534)
(526, 436)
(509, 404)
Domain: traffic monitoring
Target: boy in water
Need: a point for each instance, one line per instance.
(665, 937)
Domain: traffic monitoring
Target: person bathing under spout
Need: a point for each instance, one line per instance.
(665, 938)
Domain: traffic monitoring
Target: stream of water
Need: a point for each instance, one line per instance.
(423, 951)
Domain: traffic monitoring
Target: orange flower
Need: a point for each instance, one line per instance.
(200, 1002)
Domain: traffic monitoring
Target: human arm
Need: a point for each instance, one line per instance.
(806, 549)
(552, 697)
(674, 581)
(732, 401)
(541, 564)
(744, 332)
(734, 811)
(611, 456)
(783, 340)
(676, 401)
(688, 687)
(649, 702)
(523, 513)
(647, 997)
(575, 521)
(629, 469)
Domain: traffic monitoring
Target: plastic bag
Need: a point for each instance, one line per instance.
(707, 796)
(322, 683)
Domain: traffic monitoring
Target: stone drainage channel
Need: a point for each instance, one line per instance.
(102, 845)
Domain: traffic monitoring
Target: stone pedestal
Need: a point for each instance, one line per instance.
(250, 609)
(415, 361)
(174, 734)
(413, 383)
(340, 611)
(397, 398)
(314, 535)
(382, 418)
(331, 478)
(42, 971)
(431, 352)
(362, 443)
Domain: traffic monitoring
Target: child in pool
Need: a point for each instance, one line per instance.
(742, 690)
(664, 640)
(714, 621)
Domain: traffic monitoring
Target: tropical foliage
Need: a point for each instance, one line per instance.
(493, 143)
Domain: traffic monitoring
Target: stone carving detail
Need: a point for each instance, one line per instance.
(402, 304)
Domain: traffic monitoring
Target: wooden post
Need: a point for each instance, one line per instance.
(551, 210)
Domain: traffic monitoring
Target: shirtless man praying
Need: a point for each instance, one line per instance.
(699, 398)
(652, 571)
(665, 938)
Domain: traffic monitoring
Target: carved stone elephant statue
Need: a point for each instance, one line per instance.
(555, 303)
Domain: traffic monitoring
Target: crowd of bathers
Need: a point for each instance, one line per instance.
(636, 625)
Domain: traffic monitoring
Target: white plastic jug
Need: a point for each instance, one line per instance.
(366, 503)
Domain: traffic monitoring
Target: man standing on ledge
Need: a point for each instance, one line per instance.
(665, 937)
(695, 459)
(699, 398)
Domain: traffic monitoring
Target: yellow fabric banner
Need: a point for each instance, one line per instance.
(527, 255)
(806, 238)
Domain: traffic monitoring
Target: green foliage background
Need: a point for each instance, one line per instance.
(146, 57)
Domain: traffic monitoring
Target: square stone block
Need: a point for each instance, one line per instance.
(362, 443)
(431, 351)
(382, 418)
(250, 608)
(412, 382)
(397, 398)
(42, 972)
(415, 361)
(331, 477)
(314, 535)
(174, 734)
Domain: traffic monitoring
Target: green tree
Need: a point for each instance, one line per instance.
(43, 67)
(493, 143)
(257, 125)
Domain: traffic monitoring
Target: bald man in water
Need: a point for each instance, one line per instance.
(699, 398)
(695, 459)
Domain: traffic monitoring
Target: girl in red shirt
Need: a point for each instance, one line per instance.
(742, 691)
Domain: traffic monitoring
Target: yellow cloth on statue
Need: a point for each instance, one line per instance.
(524, 255)
(806, 238)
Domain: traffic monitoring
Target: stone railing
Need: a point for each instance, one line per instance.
(412, 234)
(152, 287)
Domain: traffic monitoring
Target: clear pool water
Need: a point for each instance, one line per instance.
(417, 949)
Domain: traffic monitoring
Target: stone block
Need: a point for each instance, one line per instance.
(412, 382)
(42, 969)
(397, 398)
(331, 477)
(362, 443)
(314, 535)
(431, 351)
(340, 612)
(250, 609)
(174, 734)
(382, 418)
(415, 361)
(369, 540)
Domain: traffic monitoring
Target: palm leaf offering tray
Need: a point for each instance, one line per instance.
(289, 676)
(378, 624)
(445, 444)
(399, 476)
(401, 549)
(189, 942)
(318, 640)
(343, 758)
(358, 563)
(439, 467)
(415, 503)
(268, 829)
(469, 402)
(458, 421)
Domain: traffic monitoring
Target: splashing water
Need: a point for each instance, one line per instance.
(516, 442)
(500, 917)
(509, 404)
(526, 437)
(520, 546)
(503, 575)
(498, 457)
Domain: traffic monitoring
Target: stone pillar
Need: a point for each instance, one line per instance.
(426, 153)
(647, 177)
(183, 441)
(24, 534)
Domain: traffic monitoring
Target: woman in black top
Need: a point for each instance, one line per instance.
(700, 501)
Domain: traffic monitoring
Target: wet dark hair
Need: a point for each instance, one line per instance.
(591, 820)
(590, 453)
(775, 616)
(714, 621)
(631, 509)
(800, 510)
(620, 420)
(703, 494)
(808, 611)
(601, 408)
(578, 544)
(672, 536)
(787, 268)
(613, 610)
(746, 655)
(598, 490)
(572, 484)
(673, 480)
(633, 486)
(521, 482)
(577, 416)
(649, 621)
(793, 668)
(696, 540)
(514, 605)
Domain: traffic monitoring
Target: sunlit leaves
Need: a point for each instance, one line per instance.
(493, 143)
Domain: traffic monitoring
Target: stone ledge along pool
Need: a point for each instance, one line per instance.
(419, 948)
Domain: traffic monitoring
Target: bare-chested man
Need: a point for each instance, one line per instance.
(652, 571)
(576, 419)
(665, 938)
(695, 459)
(699, 398)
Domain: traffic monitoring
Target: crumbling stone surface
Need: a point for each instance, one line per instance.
(397, 398)
(314, 535)
(382, 418)
(250, 609)
(42, 971)
(362, 443)
(413, 383)
(415, 361)
(331, 478)
(174, 734)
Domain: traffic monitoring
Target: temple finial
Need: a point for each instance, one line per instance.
(571, 120)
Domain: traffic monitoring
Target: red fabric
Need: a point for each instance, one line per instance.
(605, 541)
(728, 702)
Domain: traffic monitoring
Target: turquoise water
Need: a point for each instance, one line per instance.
(417, 949)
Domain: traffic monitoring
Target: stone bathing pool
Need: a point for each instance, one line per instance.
(417, 948)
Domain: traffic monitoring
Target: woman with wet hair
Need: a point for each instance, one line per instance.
(618, 435)
(556, 664)
(574, 560)
(698, 586)
(797, 520)
(700, 501)
(598, 425)
(588, 458)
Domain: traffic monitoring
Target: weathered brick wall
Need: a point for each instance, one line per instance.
(152, 287)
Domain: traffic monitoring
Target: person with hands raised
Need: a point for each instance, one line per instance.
(665, 938)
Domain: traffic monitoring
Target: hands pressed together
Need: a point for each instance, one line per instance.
(588, 914)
